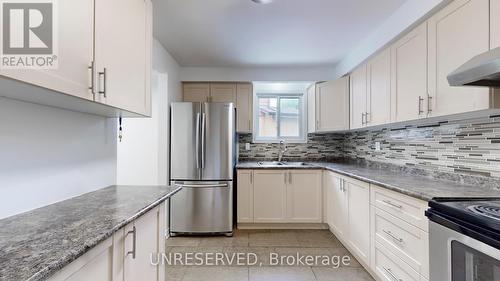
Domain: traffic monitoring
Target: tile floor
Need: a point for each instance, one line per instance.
(261, 243)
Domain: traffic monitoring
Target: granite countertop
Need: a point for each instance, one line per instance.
(35, 244)
(412, 183)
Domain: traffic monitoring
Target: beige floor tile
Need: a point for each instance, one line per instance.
(238, 240)
(281, 274)
(216, 274)
(273, 239)
(183, 241)
(341, 252)
(341, 274)
(175, 273)
(317, 238)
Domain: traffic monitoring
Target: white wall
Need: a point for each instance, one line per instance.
(143, 153)
(49, 154)
(319, 73)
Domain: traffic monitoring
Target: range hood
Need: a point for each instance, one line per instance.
(482, 70)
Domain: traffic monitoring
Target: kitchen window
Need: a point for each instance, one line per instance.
(279, 116)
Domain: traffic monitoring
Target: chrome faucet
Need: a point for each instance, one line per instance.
(282, 150)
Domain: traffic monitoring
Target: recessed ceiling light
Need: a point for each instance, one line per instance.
(262, 1)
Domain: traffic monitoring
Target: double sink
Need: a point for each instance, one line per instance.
(283, 164)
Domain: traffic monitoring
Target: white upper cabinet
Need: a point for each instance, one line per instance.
(409, 76)
(495, 23)
(457, 33)
(311, 109)
(379, 90)
(120, 54)
(358, 97)
(244, 107)
(223, 92)
(329, 103)
(75, 53)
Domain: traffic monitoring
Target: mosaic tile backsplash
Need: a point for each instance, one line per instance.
(470, 147)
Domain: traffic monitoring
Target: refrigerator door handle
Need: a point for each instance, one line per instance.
(197, 140)
(203, 132)
(202, 185)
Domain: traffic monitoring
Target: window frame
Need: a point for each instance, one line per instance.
(302, 138)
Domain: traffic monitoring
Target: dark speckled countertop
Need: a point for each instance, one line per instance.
(35, 244)
(412, 182)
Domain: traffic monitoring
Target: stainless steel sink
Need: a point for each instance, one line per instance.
(282, 164)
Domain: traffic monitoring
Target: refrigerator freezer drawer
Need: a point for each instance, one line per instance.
(202, 208)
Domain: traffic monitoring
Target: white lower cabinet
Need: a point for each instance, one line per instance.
(125, 255)
(348, 213)
(279, 196)
(358, 194)
(304, 196)
(385, 230)
(269, 190)
(495, 23)
(336, 203)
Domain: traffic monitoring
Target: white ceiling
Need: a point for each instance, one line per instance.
(240, 33)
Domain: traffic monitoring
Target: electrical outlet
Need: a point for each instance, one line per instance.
(247, 146)
(377, 146)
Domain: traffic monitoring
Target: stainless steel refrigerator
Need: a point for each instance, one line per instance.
(202, 159)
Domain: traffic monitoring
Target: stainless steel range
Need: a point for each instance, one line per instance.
(464, 239)
(202, 159)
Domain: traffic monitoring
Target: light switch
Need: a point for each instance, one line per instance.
(247, 146)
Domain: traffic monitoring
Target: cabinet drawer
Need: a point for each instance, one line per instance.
(389, 268)
(406, 241)
(409, 209)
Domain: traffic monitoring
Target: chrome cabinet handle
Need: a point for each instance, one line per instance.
(102, 82)
(429, 104)
(202, 185)
(134, 242)
(92, 78)
(367, 120)
(390, 234)
(363, 118)
(392, 204)
(393, 276)
(251, 177)
(197, 138)
(203, 131)
(420, 101)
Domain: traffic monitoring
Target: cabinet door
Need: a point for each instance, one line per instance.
(75, 33)
(303, 191)
(359, 219)
(409, 76)
(120, 53)
(146, 243)
(336, 204)
(358, 93)
(196, 92)
(379, 90)
(332, 100)
(269, 196)
(457, 33)
(245, 196)
(223, 92)
(495, 23)
(312, 119)
(244, 107)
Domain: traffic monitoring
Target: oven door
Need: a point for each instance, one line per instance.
(456, 257)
